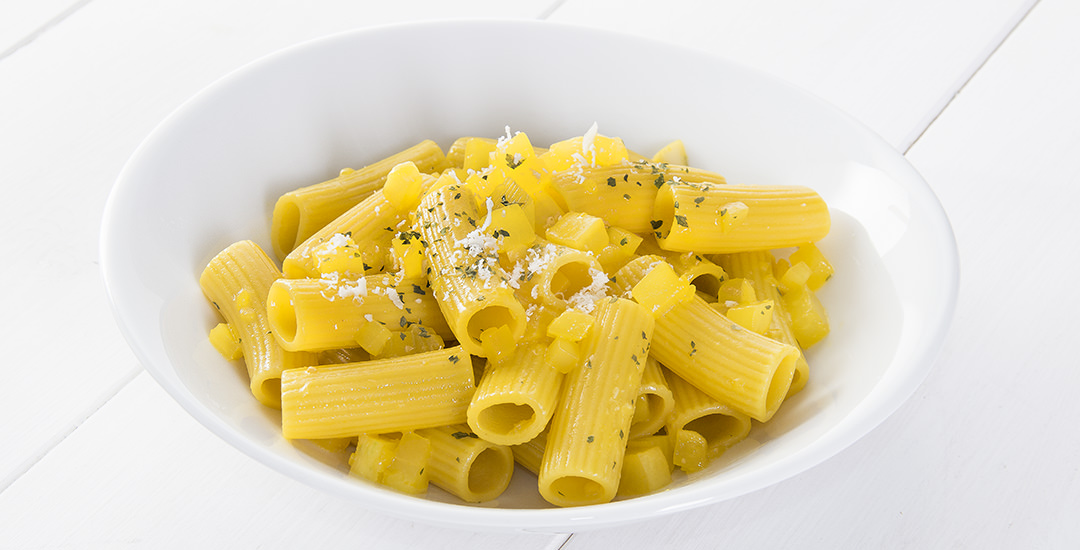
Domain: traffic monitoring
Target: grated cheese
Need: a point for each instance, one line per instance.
(585, 300)
(394, 298)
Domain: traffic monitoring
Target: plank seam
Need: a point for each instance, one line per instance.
(36, 33)
(59, 438)
(550, 10)
(966, 78)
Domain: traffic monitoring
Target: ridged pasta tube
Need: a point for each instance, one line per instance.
(654, 401)
(721, 426)
(554, 275)
(515, 399)
(757, 267)
(623, 195)
(373, 222)
(389, 395)
(466, 466)
(746, 371)
(531, 453)
(720, 219)
(236, 282)
(320, 314)
(588, 433)
(469, 285)
(300, 213)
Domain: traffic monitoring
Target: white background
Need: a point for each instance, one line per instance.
(982, 96)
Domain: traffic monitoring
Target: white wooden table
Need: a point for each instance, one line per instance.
(982, 96)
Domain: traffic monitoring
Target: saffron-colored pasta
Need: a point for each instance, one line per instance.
(585, 446)
(466, 466)
(719, 219)
(425, 390)
(757, 267)
(320, 314)
(562, 308)
(746, 371)
(515, 399)
(471, 288)
(236, 282)
(300, 213)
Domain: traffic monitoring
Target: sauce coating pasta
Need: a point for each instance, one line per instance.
(598, 317)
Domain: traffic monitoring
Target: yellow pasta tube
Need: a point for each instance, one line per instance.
(390, 395)
(757, 268)
(457, 154)
(343, 355)
(721, 426)
(372, 223)
(327, 313)
(300, 213)
(466, 466)
(531, 453)
(705, 275)
(588, 433)
(719, 219)
(654, 401)
(236, 282)
(746, 371)
(559, 276)
(623, 195)
(471, 289)
(515, 399)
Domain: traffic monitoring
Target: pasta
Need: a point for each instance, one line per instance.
(712, 219)
(299, 214)
(236, 282)
(585, 447)
(595, 317)
(392, 395)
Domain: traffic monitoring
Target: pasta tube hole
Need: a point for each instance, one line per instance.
(281, 314)
(287, 226)
(506, 418)
(270, 389)
(490, 317)
(648, 408)
(719, 430)
(663, 212)
(781, 381)
(707, 284)
(490, 472)
(569, 279)
(577, 489)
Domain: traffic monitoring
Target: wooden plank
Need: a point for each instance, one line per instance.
(141, 473)
(22, 20)
(984, 455)
(891, 65)
(74, 104)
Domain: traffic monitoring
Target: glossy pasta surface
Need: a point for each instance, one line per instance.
(605, 321)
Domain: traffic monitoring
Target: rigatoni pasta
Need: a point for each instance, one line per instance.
(585, 447)
(299, 214)
(236, 282)
(718, 219)
(392, 395)
(452, 314)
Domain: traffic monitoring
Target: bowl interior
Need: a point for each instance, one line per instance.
(209, 176)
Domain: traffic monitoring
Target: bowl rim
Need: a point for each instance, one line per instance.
(881, 402)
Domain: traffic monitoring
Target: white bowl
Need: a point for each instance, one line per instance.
(210, 173)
